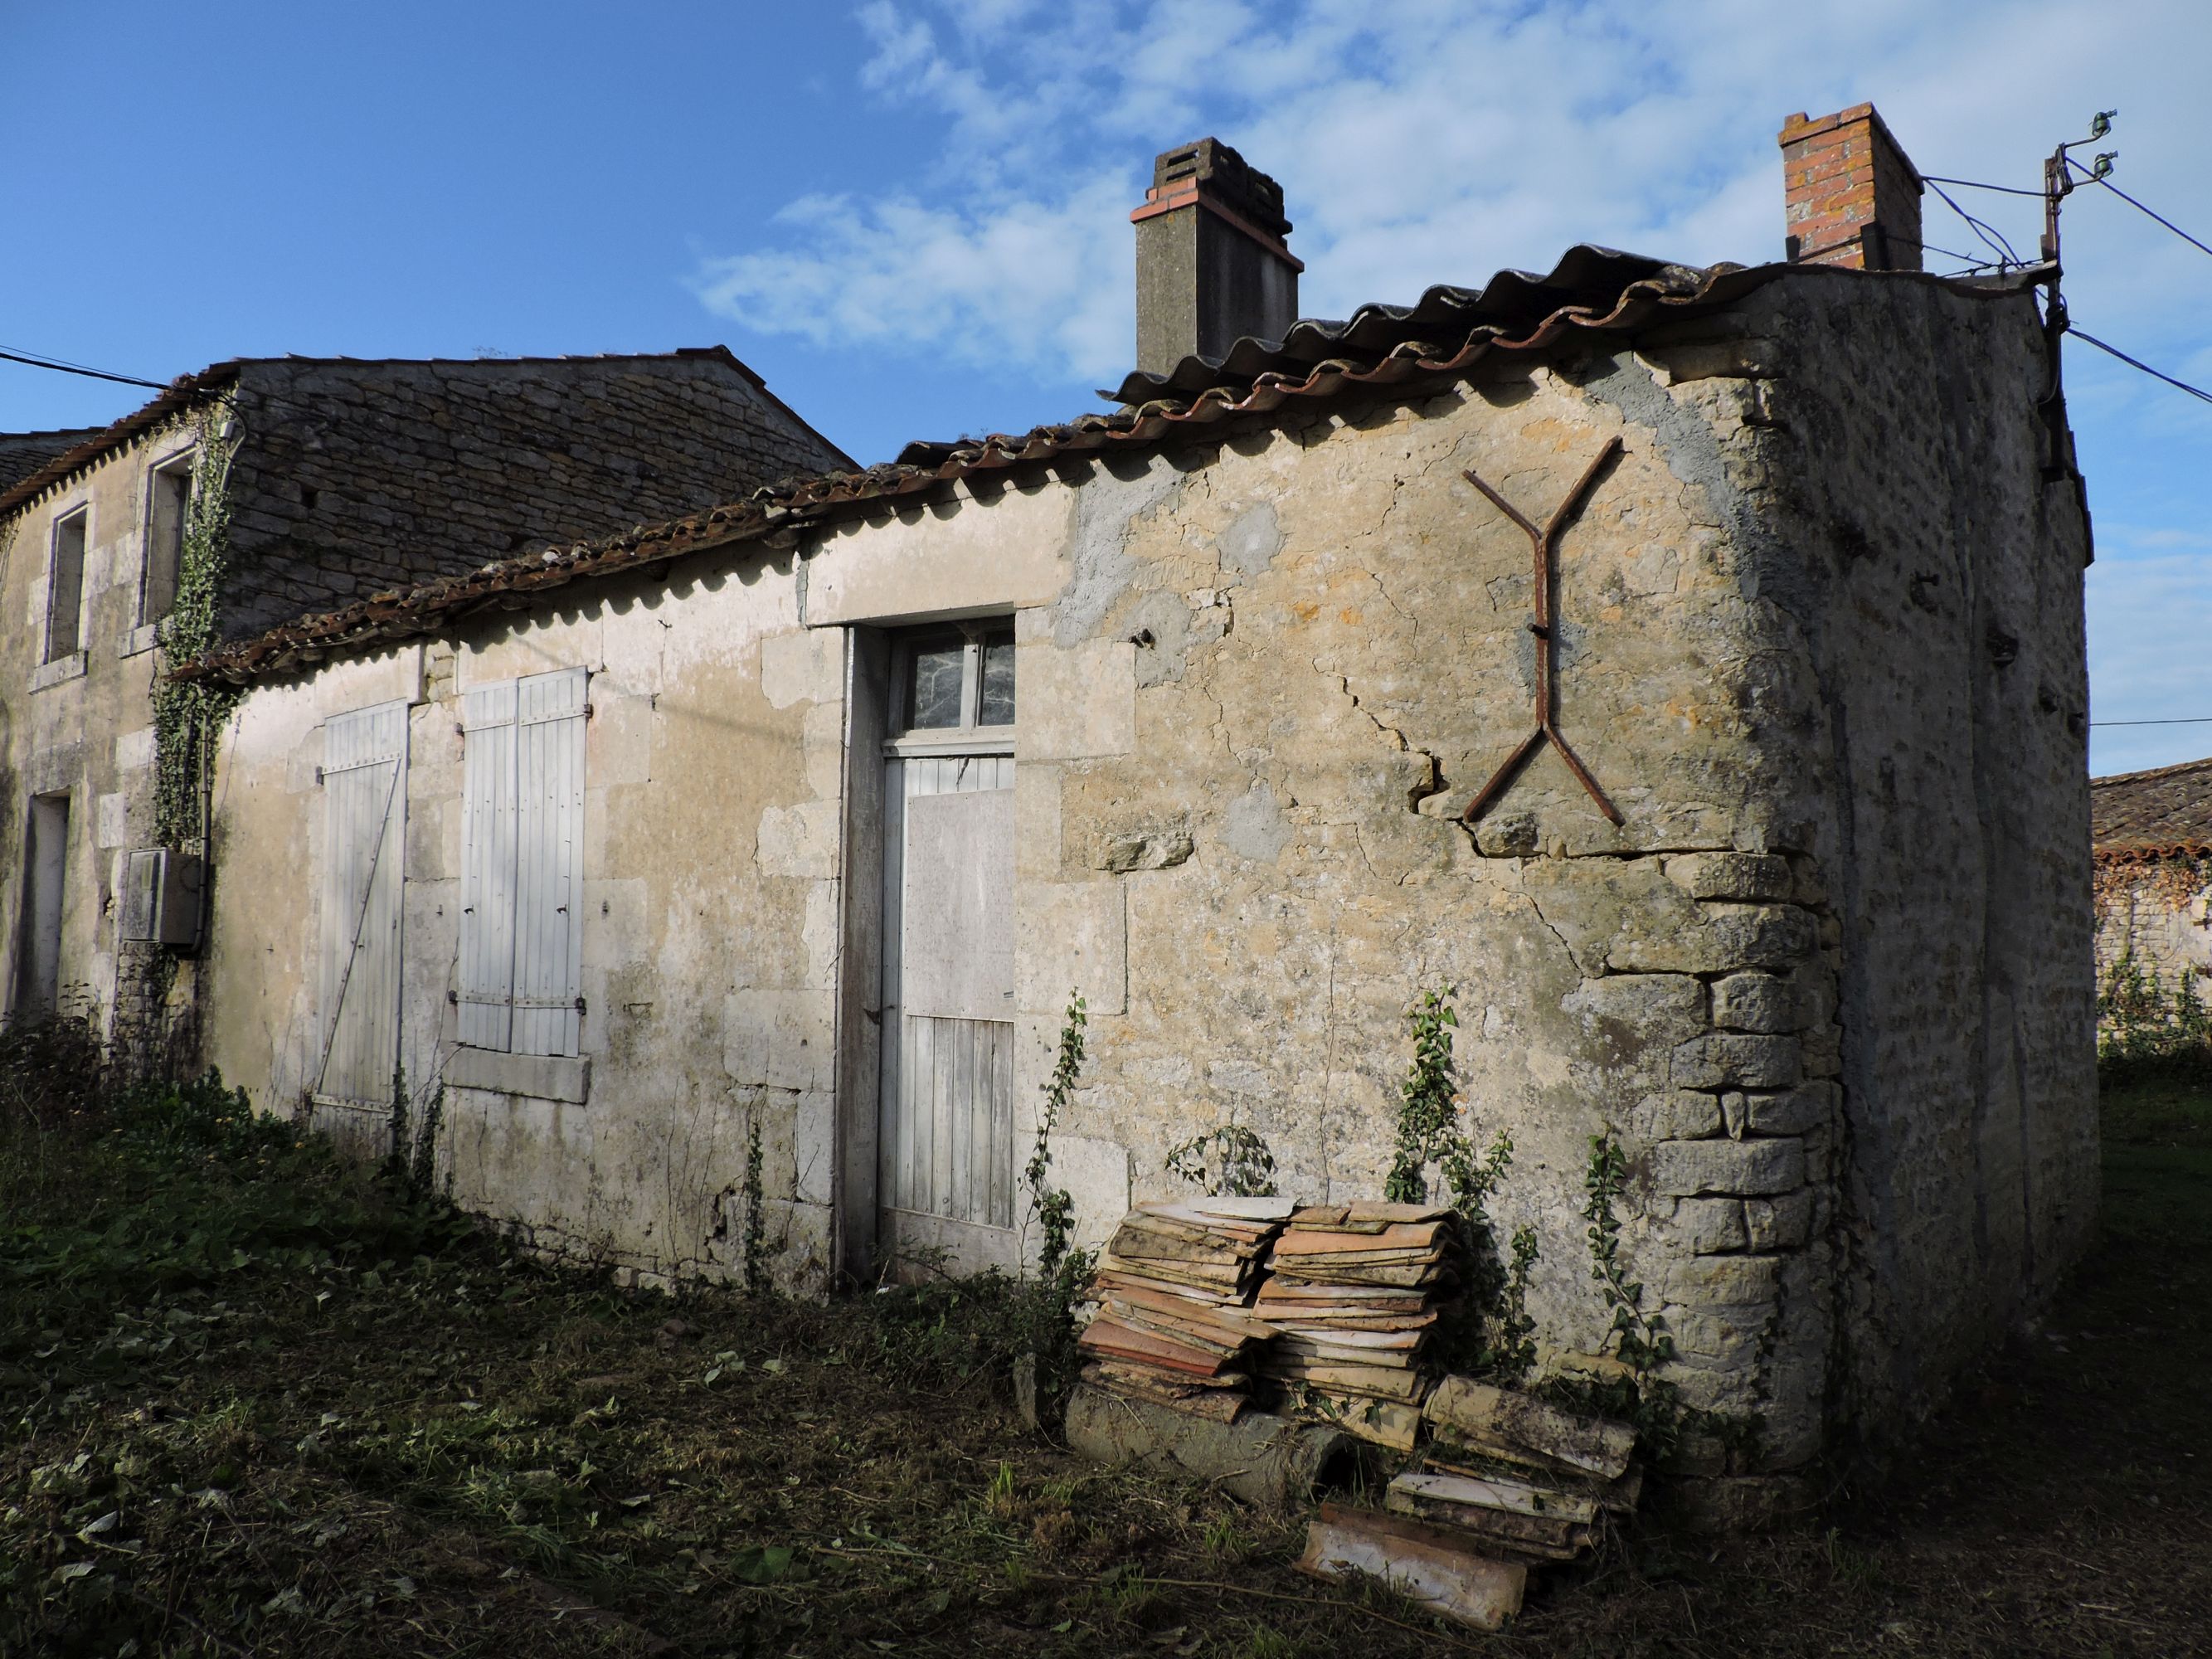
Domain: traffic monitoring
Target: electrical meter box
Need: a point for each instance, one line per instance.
(162, 898)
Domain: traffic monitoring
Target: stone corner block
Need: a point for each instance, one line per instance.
(1078, 702)
(1754, 878)
(1675, 1114)
(1732, 1061)
(1689, 1169)
(1762, 1003)
(1071, 935)
(1795, 1111)
(801, 840)
(1097, 1176)
(777, 1038)
(806, 665)
(1711, 1226)
(1783, 1223)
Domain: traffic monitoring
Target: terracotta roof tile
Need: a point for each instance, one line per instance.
(2164, 813)
(1591, 291)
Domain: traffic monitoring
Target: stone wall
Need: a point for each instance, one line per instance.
(83, 728)
(1930, 575)
(709, 943)
(2158, 910)
(354, 478)
(1819, 635)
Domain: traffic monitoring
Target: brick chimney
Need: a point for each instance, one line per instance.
(1852, 195)
(1210, 263)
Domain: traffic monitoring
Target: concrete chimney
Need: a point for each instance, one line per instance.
(1852, 195)
(1211, 264)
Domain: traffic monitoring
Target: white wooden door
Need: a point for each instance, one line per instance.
(364, 842)
(946, 1141)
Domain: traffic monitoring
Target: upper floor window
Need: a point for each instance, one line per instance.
(65, 586)
(169, 495)
(956, 678)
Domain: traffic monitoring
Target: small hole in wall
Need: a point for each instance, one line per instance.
(310, 497)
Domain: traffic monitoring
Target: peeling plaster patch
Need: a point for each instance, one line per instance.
(800, 840)
(113, 831)
(1249, 546)
(1104, 511)
(799, 666)
(1159, 627)
(1254, 826)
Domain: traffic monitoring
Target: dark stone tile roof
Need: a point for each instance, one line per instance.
(2164, 813)
(22, 453)
(357, 476)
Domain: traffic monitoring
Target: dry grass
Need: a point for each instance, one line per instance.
(399, 1441)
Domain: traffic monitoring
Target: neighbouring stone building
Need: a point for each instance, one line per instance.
(1686, 665)
(333, 478)
(2153, 850)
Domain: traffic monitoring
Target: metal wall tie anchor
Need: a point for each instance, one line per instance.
(1545, 543)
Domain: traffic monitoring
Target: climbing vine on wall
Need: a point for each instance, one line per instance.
(187, 717)
(2172, 881)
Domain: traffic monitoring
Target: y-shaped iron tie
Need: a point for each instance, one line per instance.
(1545, 541)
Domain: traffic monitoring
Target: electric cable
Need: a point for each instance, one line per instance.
(61, 368)
(1992, 238)
(2194, 719)
(1975, 183)
(2095, 180)
(2135, 362)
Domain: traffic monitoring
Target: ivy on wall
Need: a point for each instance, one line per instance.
(187, 717)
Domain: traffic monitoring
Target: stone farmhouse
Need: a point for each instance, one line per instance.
(333, 479)
(2153, 834)
(1687, 665)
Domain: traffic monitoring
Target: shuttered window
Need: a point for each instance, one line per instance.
(364, 838)
(522, 865)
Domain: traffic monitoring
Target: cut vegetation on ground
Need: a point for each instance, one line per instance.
(257, 1403)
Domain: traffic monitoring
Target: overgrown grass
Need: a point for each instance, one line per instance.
(255, 1402)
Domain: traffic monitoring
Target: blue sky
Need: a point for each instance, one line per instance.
(911, 216)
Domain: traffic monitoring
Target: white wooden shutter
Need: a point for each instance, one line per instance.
(550, 861)
(364, 843)
(487, 963)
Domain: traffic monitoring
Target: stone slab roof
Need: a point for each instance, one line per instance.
(22, 453)
(357, 476)
(2164, 813)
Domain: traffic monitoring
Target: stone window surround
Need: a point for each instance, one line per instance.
(537, 1076)
(59, 671)
(141, 638)
(76, 504)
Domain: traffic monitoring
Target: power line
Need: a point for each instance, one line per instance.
(61, 368)
(2133, 362)
(1991, 237)
(2096, 178)
(2205, 719)
(1973, 184)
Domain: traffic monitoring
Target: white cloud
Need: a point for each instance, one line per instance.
(1019, 284)
(1438, 141)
